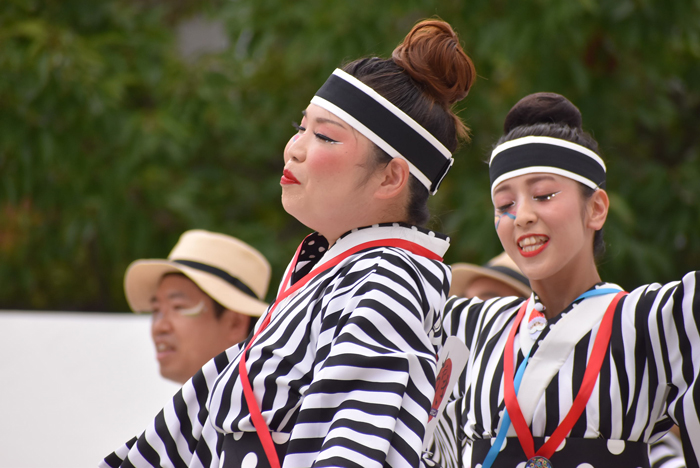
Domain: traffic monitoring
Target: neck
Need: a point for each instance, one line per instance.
(557, 292)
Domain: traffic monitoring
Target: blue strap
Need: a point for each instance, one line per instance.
(598, 292)
(505, 423)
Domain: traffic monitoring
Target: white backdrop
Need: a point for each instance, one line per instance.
(74, 386)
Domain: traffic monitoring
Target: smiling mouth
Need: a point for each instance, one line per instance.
(163, 349)
(532, 245)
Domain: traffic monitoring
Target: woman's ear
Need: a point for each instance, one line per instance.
(392, 179)
(597, 208)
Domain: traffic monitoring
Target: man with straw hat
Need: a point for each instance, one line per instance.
(500, 277)
(204, 298)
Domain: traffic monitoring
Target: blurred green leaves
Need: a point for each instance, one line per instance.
(111, 144)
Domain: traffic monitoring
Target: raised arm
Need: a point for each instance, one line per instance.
(667, 336)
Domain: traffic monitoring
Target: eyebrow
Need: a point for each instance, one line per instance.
(534, 180)
(326, 120)
(530, 182)
(171, 295)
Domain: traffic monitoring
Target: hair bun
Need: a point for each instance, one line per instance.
(538, 108)
(432, 55)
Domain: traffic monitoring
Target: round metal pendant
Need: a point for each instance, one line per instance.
(538, 462)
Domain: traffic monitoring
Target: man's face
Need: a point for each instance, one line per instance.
(487, 288)
(185, 329)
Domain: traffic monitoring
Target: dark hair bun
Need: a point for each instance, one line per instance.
(543, 108)
(432, 55)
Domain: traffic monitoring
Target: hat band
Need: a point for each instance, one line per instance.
(232, 280)
(549, 155)
(511, 274)
(387, 126)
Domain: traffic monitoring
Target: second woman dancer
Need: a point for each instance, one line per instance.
(581, 374)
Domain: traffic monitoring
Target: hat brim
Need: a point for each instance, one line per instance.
(143, 277)
(463, 274)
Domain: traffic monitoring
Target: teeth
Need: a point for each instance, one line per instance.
(161, 347)
(532, 243)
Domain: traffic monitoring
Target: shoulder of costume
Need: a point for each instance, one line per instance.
(433, 241)
(457, 306)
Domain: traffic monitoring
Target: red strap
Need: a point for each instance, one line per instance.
(255, 414)
(595, 362)
(516, 415)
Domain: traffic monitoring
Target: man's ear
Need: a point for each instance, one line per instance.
(597, 209)
(393, 178)
(235, 325)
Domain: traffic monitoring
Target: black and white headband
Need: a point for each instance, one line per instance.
(386, 126)
(549, 155)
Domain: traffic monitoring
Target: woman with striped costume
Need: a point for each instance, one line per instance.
(580, 374)
(340, 371)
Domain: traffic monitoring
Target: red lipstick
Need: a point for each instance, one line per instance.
(288, 178)
(531, 253)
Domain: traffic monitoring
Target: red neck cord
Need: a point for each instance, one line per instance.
(595, 361)
(255, 414)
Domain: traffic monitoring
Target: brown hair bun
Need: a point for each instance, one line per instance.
(543, 108)
(432, 55)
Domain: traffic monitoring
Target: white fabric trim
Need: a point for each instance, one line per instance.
(542, 169)
(394, 110)
(356, 237)
(528, 140)
(556, 348)
(373, 137)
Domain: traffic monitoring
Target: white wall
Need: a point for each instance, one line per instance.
(74, 386)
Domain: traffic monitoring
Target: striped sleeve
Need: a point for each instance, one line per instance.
(679, 321)
(666, 452)
(446, 447)
(181, 434)
(466, 319)
(374, 372)
(666, 330)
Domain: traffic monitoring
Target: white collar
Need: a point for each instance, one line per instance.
(435, 242)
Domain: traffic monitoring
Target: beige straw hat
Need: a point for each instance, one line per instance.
(500, 267)
(230, 271)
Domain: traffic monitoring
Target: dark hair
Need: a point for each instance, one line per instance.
(552, 115)
(219, 311)
(427, 73)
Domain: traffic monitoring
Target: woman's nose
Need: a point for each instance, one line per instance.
(525, 214)
(295, 148)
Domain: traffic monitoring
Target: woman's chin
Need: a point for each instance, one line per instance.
(293, 208)
(291, 205)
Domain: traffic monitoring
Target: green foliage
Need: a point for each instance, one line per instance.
(111, 144)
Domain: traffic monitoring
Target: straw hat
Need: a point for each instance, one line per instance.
(230, 271)
(501, 268)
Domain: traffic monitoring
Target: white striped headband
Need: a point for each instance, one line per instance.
(386, 126)
(546, 154)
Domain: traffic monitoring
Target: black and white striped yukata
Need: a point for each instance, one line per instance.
(667, 452)
(648, 380)
(344, 374)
